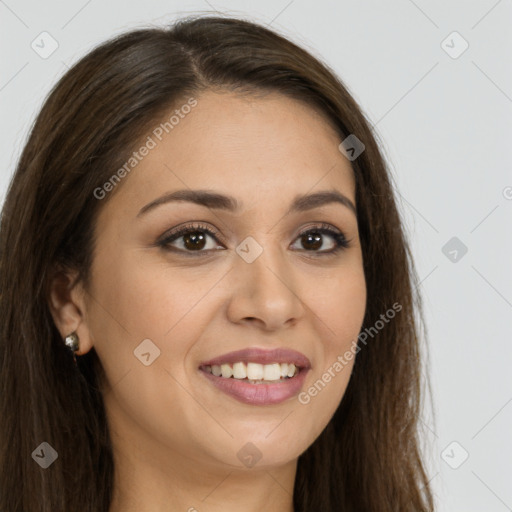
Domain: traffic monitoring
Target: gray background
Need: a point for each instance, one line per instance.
(444, 126)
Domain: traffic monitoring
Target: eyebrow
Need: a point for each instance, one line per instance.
(219, 201)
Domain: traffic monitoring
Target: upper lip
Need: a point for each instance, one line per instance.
(261, 356)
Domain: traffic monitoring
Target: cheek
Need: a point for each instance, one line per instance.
(339, 307)
(339, 303)
(145, 299)
(148, 299)
(130, 305)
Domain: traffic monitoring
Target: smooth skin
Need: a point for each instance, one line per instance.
(175, 436)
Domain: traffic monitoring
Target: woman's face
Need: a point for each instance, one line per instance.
(155, 313)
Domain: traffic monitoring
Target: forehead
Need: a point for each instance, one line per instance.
(257, 149)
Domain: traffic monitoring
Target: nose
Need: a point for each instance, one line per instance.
(265, 292)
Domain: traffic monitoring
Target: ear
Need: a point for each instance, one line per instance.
(68, 307)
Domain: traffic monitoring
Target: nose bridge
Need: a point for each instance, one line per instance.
(264, 263)
(265, 287)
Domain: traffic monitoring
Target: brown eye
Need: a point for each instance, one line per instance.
(192, 239)
(313, 239)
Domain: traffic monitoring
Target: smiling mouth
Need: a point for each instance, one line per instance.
(259, 392)
(253, 373)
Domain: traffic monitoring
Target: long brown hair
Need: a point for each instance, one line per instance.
(368, 457)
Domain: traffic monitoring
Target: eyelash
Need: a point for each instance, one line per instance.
(324, 229)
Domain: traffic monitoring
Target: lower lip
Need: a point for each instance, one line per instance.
(259, 394)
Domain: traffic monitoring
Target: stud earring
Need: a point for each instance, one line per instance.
(72, 342)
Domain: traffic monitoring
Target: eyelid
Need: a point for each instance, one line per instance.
(319, 226)
(187, 226)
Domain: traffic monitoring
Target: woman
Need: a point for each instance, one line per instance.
(207, 295)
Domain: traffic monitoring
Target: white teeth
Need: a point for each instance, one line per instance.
(239, 371)
(272, 371)
(227, 371)
(254, 371)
